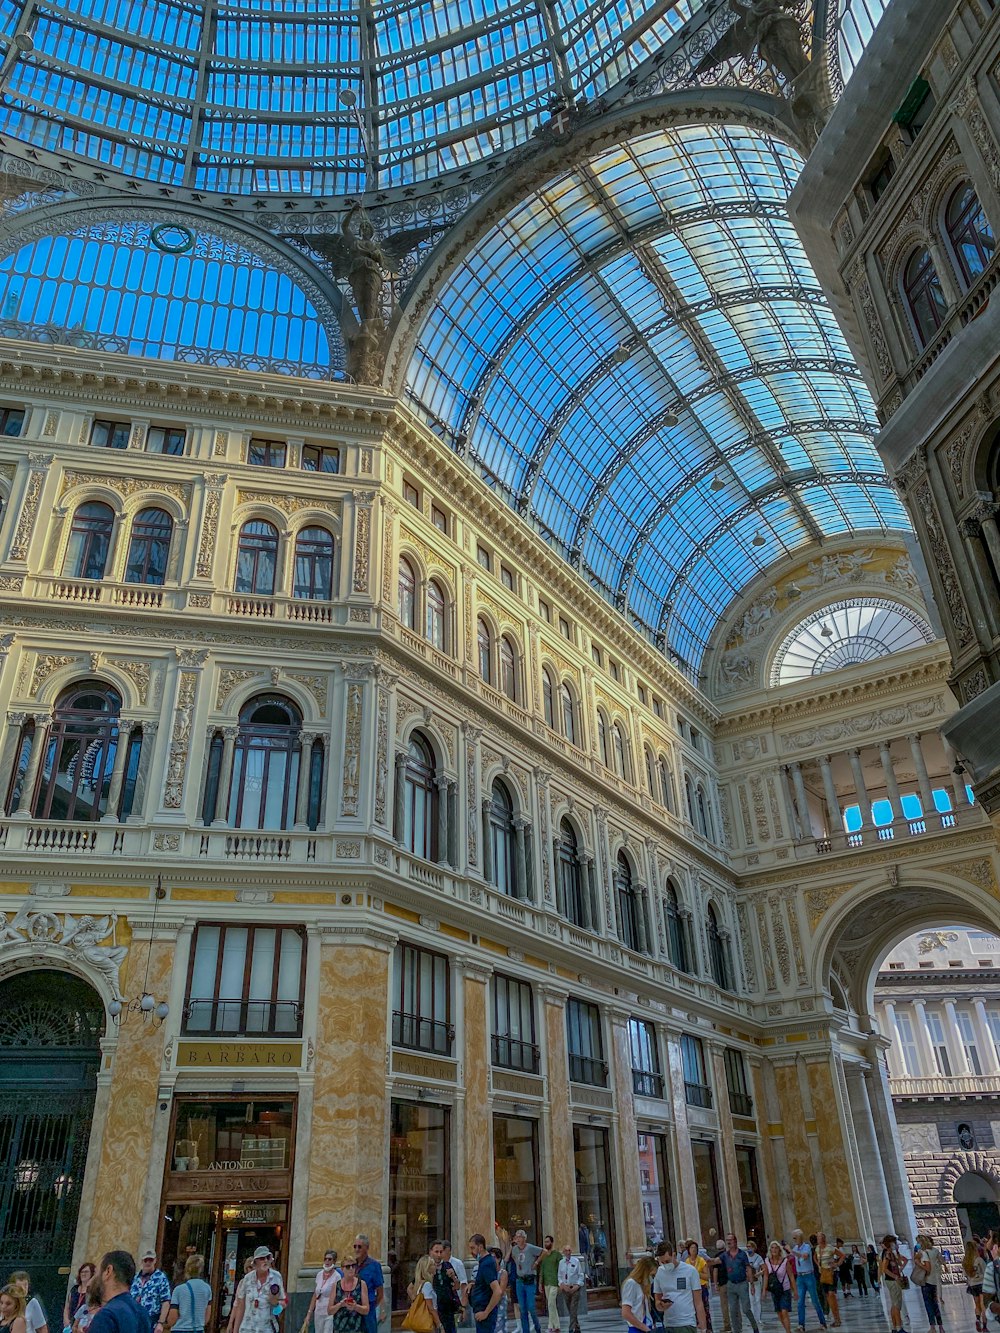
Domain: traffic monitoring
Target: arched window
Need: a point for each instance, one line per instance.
(647, 755)
(79, 754)
(700, 810)
(420, 800)
(568, 708)
(89, 541)
(437, 610)
(622, 766)
(924, 296)
(667, 785)
(313, 581)
(502, 845)
(628, 905)
(602, 739)
(265, 779)
(257, 558)
(969, 232)
(548, 698)
(508, 668)
(22, 756)
(149, 547)
(688, 799)
(676, 932)
(485, 639)
(407, 595)
(718, 959)
(570, 878)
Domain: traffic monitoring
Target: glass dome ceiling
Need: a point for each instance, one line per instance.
(640, 357)
(293, 96)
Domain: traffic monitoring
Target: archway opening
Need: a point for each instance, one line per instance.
(51, 1025)
(976, 1204)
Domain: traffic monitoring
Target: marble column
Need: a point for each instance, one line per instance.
(442, 784)
(925, 1047)
(221, 818)
(477, 1141)
(834, 816)
(559, 1192)
(587, 892)
(632, 1232)
(489, 871)
(521, 886)
(794, 827)
(11, 746)
(956, 1044)
(110, 815)
(957, 776)
(891, 785)
(399, 796)
(894, 1054)
(862, 791)
(306, 741)
(876, 1194)
(923, 781)
(560, 888)
(142, 776)
(38, 747)
(687, 1202)
(987, 1045)
(805, 825)
(887, 1136)
(641, 918)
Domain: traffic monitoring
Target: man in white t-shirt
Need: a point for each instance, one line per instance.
(34, 1315)
(677, 1291)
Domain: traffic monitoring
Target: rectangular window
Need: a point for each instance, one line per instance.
(740, 1101)
(907, 1044)
(110, 434)
(641, 691)
(238, 1135)
(419, 1184)
(595, 653)
(320, 458)
(507, 577)
(11, 420)
(246, 979)
(880, 174)
(421, 992)
(615, 669)
(936, 1030)
(647, 1081)
(514, 1041)
(595, 1218)
(657, 707)
(564, 628)
(267, 453)
(585, 1044)
(706, 1183)
(697, 1091)
(545, 611)
(166, 440)
(483, 556)
(439, 518)
(968, 1031)
(411, 495)
(657, 1196)
(515, 1174)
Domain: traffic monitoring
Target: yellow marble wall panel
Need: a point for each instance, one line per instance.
(348, 1142)
(139, 891)
(843, 1218)
(632, 1228)
(560, 1147)
(122, 1175)
(801, 1172)
(767, 1170)
(479, 1210)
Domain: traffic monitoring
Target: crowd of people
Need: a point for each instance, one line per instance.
(670, 1289)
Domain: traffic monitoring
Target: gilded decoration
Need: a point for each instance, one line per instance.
(316, 685)
(126, 487)
(362, 539)
(28, 510)
(980, 872)
(288, 504)
(430, 555)
(46, 665)
(350, 792)
(230, 679)
(820, 900)
(138, 672)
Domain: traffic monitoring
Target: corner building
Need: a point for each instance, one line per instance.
(486, 785)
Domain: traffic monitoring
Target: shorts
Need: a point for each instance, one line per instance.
(974, 1288)
(783, 1301)
(828, 1286)
(895, 1293)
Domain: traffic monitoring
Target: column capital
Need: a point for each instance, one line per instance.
(42, 719)
(17, 719)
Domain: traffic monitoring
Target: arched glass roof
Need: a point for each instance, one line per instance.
(858, 20)
(292, 95)
(640, 358)
(845, 634)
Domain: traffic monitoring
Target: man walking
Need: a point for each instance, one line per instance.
(485, 1293)
(151, 1288)
(571, 1280)
(805, 1277)
(446, 1290)
(735, 1263)
(526, 1258)
(120, 1312)
(370, 1273)
(677, 1291)
(548, 1275)
(260, 1297)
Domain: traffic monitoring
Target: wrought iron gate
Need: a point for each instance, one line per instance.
(50, 1029)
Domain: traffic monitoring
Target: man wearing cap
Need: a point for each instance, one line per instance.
(151, 1288)
(260, 1297)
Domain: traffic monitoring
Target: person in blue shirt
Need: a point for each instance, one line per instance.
(120, 1313)
(151, 1288)
(735, 1263)
(370, 1273)
(485, 1293)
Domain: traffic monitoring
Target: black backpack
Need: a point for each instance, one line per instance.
(448, 1298)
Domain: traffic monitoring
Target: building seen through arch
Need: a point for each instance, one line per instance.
(500, 586)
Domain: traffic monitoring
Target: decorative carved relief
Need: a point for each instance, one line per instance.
(388, 562)
(743, 922)
(231, 678)
(138, 672)
(126, 487)
(472, 735)
(919, 710)
(83, 938)
(382, 754)
(209, 532)
(288, 504)
(45, 666)
(745, 814)
(966, 104)
(362, 541)
(28, 513)
(796, 934)
(166, 842)
(974, 685)
(315, 684)
(925, 505)
(352, 748)
(981, 872)
(760, 813)
(820, 900)
(348, 850)
(51, 427)
(431, 555)
(366, 462)
(180, 740)
(221, 443)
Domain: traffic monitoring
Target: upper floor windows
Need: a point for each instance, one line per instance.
(567, 708)
(407, 595)
(439, 517)
(969, 233)
(514, 1044)
(246, 980)
(677, 940)
(507, 578)
(319, 458)
(257, 559)
(78, 759)
(569, 873)
(266, 765)
(149, 547)
(718, 952)
(585, 1043)
(924, 296)
(483, 557)
(548, 698)
(544, 610)
(411, 494)
(629, 905)
(484, 639)
(314, 551)
(419, 816)
(166, 440)
(503, 860)
(647, 1080)
(421, 1000)
(437, 611)
(740, 1100)
(429, 602)
(267, 453)
(110, 434)
(11, 420)
(697, 1089)
(89, 541)
(508, 668)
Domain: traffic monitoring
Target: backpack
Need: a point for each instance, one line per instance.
(448, 1298)
(775, 1284)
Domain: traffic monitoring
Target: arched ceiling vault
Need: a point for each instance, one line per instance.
(638, 356)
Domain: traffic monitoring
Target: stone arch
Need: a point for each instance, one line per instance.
(972, 1163)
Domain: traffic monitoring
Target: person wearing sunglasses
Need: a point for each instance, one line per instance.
(370, 1273)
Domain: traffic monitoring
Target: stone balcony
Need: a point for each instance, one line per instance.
(937, 1086)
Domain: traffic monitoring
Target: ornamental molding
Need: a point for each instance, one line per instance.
(79, 940)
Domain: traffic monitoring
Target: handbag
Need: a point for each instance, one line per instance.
(918, 1274)
(775, 1286)
(418, 1318)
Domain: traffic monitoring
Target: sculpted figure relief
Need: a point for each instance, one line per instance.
(83, 935)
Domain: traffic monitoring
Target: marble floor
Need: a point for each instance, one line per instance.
(859, 1315)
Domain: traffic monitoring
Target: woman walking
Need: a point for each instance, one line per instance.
(928, 1256)
(76, 1299)
(694, 1256)
(190, 1299)
(858, 1265)
(636, 1301)
(779, 1281)
(325, 1280)
(348, 1302)
(974, 1268)
(890, 1267)
(505, 1281)
(12, 1307)
(871, 1262)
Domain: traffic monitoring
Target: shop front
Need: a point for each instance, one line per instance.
(227, 1188)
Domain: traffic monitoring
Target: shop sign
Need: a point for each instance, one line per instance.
(229, 1184)
(239, 1055)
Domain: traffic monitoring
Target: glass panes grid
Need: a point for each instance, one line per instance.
(846, 634)
(638, 331)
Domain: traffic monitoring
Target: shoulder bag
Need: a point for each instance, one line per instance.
(418, 1318)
